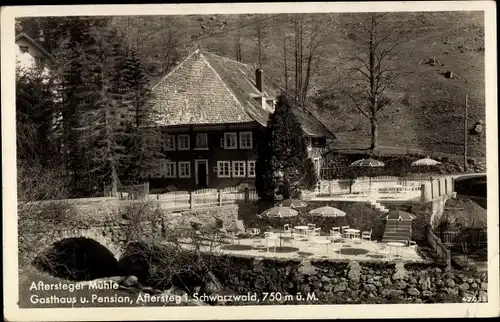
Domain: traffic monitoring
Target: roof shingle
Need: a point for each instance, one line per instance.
(210, 89)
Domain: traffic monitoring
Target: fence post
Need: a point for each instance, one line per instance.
(247, 194)
(330, 187)
(191, 200)
(440, 192)
(219, 197)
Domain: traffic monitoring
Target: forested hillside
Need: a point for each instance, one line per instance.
(313, 56)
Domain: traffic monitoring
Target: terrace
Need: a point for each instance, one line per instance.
(308, 243)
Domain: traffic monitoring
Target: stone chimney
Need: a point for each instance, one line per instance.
(259, 80)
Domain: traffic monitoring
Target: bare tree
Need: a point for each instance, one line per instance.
(237, 45)
(285, 61)
(378, 42)
(309, 35)
(260, 35)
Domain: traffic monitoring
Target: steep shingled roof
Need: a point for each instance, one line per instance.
(34, 43)
(210, 89)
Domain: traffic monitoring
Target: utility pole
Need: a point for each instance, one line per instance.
(465, 134)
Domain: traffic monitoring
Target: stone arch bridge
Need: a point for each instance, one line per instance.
(100, 223)
(111, 237)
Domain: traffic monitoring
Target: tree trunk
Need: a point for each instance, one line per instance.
(374, 134)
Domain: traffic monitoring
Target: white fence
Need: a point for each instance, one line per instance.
(183, 200)
(389, 186)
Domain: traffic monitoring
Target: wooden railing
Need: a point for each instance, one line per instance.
(386, 185)
(439, 248)
(473, 237)
(184, 200)
(129, 192)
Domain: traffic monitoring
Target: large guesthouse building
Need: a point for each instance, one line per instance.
(212, 112)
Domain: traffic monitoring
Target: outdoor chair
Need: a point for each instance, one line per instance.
(286, 227)
(335, 232)
(287, 238)
(311, 226)
(344, 233)
(298, 235)
(367, 235)
(258, 243)
(270, 236)
(356, 237)
(317, 231)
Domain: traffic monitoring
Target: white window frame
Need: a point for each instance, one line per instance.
(242, 165)
(174, 169)
(220, 166)
(181, 163)
(172, 141)
(228, 135)
(196, 141)
(242, 134)
(248, 170)
(179, 142)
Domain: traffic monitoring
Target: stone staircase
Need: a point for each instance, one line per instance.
(377, 206)
(397, 230)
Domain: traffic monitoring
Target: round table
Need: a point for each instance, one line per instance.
(322, 242)
(302, 230)
(351, 232)
(397, 245)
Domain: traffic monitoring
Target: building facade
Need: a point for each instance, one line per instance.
(29, 55)
(213, 111)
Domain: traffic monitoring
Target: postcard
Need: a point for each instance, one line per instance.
(237, 161)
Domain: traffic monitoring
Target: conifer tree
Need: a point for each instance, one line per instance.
(104, 112)
(144, 141)
(283, 165)
(75, 86)
(35, 110)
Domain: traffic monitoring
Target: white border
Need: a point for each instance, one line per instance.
(10, 269)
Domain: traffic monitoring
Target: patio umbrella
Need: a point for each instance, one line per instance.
(327, 211)
(398, 215)
(425, 162)
(368, 163)
(292, 203)
(280, 212)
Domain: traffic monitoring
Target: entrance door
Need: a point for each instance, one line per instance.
(202, 173)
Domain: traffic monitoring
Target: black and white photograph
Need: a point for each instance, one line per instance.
(290, 160)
